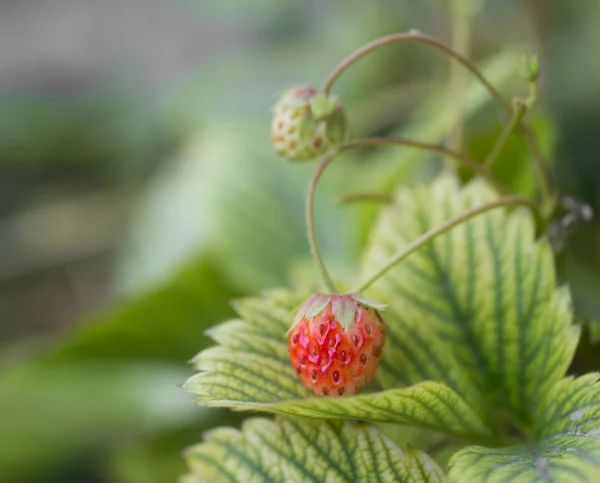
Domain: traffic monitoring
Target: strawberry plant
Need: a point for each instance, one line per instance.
(457, 332)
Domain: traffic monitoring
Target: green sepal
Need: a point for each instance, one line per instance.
(337, 128)
(361, 299)
(307, 127)
(310, 309)
(317, 305)
(322, 106)
(344, 310)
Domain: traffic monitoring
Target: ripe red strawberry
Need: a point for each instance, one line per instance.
(335, 343)
(306, 124)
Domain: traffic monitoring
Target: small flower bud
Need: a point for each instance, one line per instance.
(530, 68)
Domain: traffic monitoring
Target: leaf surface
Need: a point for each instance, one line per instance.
(290, 450)
(477, 308)
(567, 448)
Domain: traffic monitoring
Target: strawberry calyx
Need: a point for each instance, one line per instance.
(343, 307)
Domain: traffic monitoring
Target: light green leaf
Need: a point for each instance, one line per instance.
(477, 308)
(250, 370)
(289, 450)
(566, 448)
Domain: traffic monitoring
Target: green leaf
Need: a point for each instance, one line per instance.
(156, 458)
(51, 414)
(228, 194)
(477, 308)
(250, 370)
(592, 326)
(594, 329)
(166, 323)
(289, 450)
(566, 448)
(514, 166)
(115, 376)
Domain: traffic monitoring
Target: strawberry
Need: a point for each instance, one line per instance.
(306, 124)
(335, 343)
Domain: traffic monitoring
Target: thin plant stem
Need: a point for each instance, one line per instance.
(430, 235)
(460, 158)
(547, 184)
(462, 18)
(518, 113)
(412, 36)
(366, 196)
(310, 195)
(310, 222)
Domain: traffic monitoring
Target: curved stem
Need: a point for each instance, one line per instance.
(310, 221)
(412, 36)
(447, 226)
(548, 188)
(460, 158)
(519, 111)
(312, 187)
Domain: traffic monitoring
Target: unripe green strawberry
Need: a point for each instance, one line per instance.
(335, 343)
(307, 124)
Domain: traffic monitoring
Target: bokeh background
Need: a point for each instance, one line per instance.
(139, 193)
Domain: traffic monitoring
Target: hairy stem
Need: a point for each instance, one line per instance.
(547, 183)
(430, 235)
(412, 36)
(460, 158)
(312, 187)
(310, 222)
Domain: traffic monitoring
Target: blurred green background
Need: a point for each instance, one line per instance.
(139, 193)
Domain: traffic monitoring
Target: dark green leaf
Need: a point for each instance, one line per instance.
(167, 323)
(514, 166)
(51, 413)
